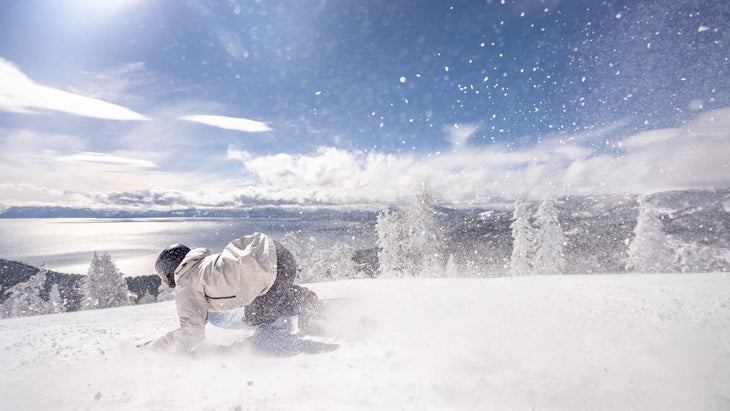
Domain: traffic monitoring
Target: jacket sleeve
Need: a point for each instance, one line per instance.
(192, 309)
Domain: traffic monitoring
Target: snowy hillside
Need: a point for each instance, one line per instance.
(551, 342)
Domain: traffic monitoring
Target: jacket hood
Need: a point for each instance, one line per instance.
(191, 258)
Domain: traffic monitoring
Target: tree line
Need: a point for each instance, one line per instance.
(412, 241)
(30, 291)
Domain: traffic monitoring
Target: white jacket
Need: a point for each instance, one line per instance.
(220, 282)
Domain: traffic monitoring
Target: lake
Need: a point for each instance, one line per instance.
(67, 245)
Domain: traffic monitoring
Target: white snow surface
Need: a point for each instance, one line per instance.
(618, 342)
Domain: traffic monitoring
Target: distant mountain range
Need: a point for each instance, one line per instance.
(598, 229)
(267, 212)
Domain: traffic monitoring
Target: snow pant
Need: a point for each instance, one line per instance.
(283, 298)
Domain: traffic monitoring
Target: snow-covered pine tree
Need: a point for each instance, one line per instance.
(291, 242)
(409, 239)
(25, 298)
(57, 304)
(147, 298)
(649, 251)
(523, 238)
(390, 243)
(697, 257)
(549, 240)
(104, 286)
(330, 264)
(451, 270)
(165, 293)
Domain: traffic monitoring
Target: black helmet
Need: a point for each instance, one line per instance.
(167, 262)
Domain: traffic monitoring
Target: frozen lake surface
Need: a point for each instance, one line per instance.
(67, 245)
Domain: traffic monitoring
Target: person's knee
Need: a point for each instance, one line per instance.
(286, 263)
(304, 296)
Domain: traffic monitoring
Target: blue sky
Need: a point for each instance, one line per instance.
(234, 103)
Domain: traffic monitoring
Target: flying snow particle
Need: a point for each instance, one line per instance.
(402, 79)
(695, 105)
(318, 93)
(618, 15)
(702, 28)
(446, 68)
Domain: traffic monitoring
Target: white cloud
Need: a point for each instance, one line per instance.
(459, 134)
(229, 123)
(103, 158)
(232, 153)
(694, 155)
(334, 175)
(649, 138)
(18, 93)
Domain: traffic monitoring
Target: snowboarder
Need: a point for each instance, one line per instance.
(249, 283)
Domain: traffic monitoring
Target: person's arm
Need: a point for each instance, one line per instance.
(192, 309)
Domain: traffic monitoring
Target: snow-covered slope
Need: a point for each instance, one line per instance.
(572, 342)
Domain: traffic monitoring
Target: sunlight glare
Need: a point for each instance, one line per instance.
(106, 8)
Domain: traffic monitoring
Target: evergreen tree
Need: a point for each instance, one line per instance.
(549, 240)
(390, 243)
(523, 238)
(165, 293)
(25, 298)
(696, 257)
(409, 239)
(451, 269)
(57, 304)
(331, 264)
(292, 243)
(147, 298)
(649, 251)
(104, 286)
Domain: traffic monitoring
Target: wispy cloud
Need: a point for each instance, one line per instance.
(692, 156)
(229, 123)
(459, 134)
(102, 158)
(231, 43)
(20, 94)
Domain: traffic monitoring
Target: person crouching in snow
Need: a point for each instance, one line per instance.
(249, 283)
